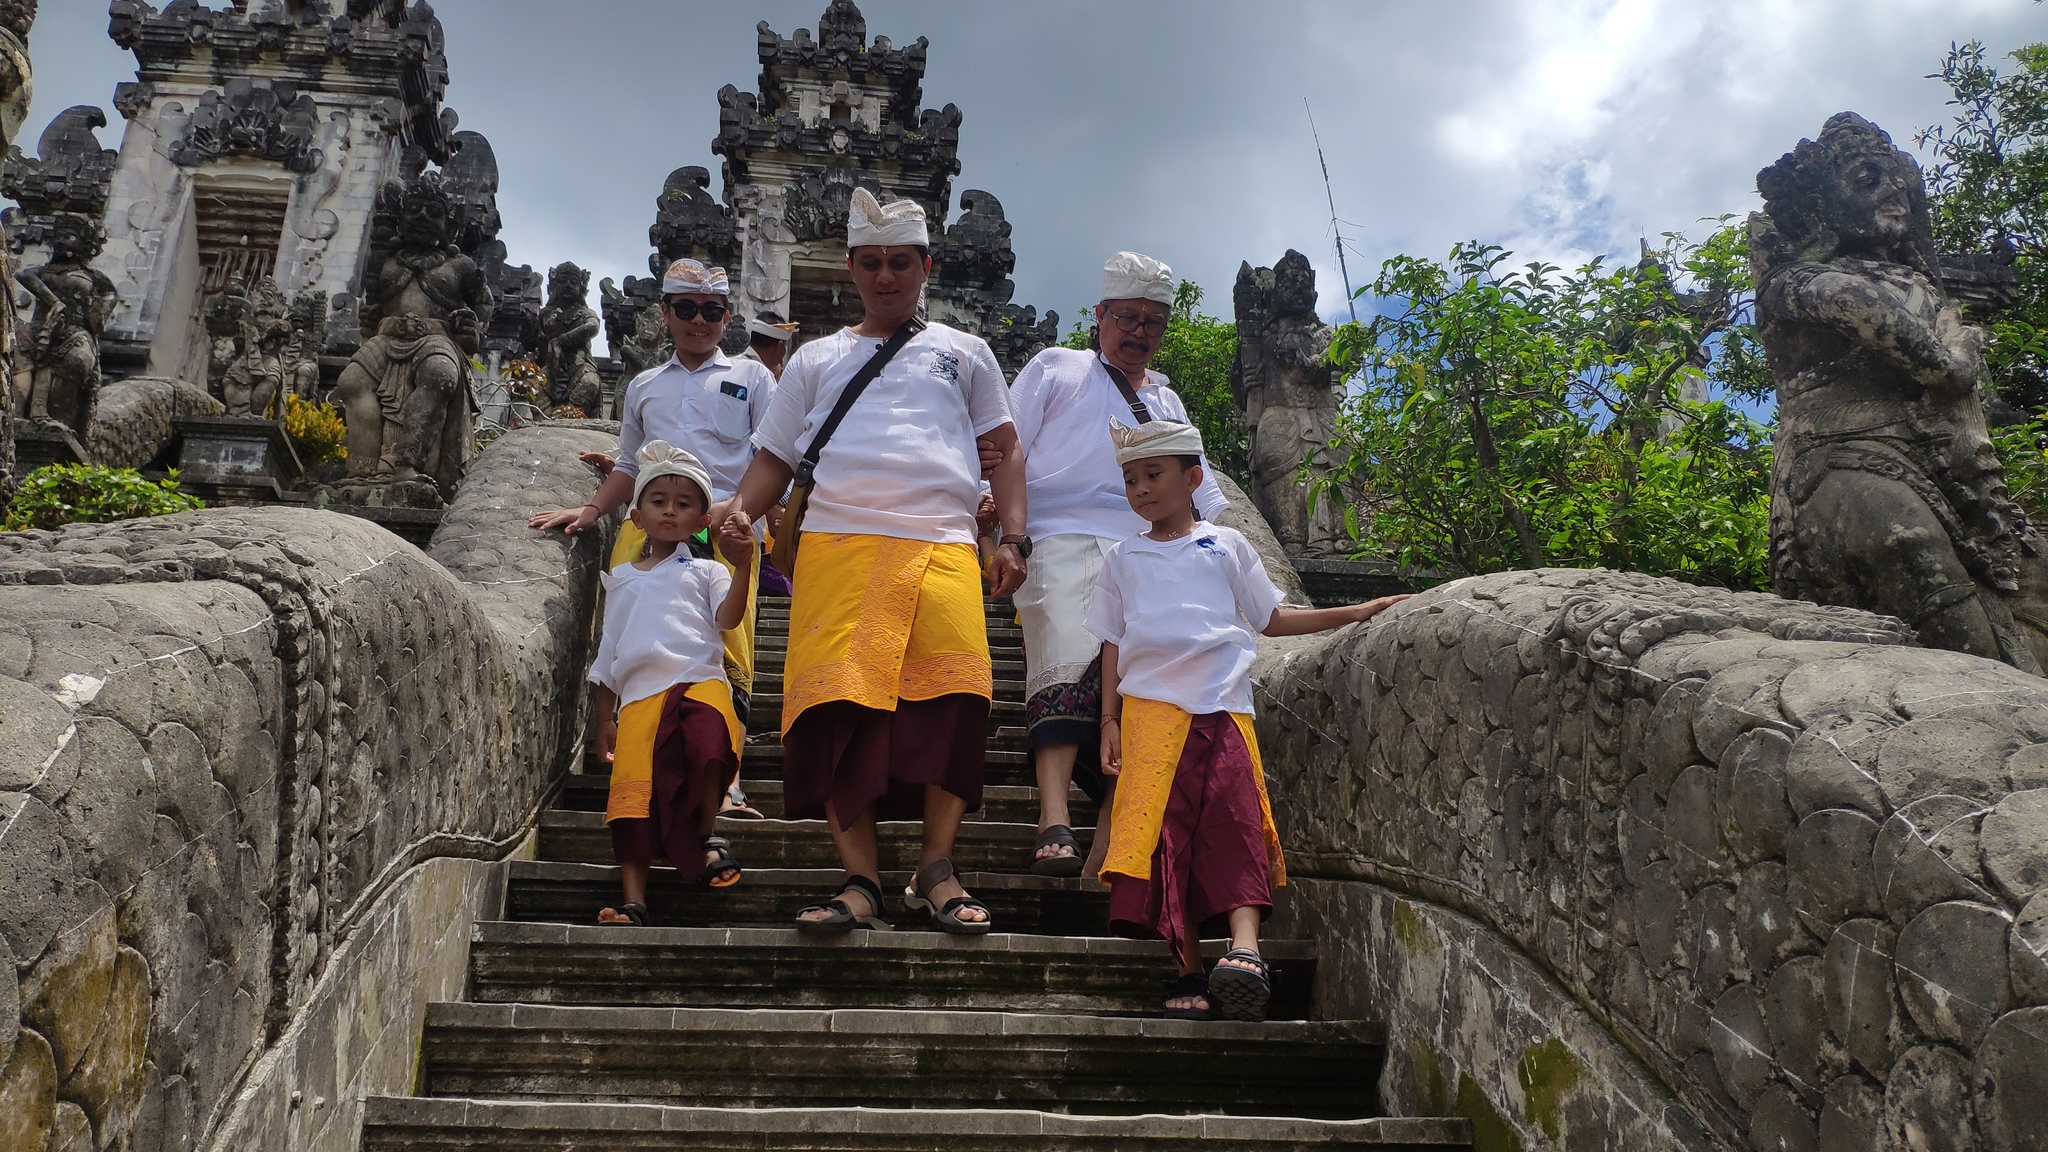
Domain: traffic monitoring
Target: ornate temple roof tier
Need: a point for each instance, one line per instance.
(374, 48)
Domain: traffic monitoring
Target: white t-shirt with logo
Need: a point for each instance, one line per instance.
(661, 626)
(1064, 400)
(1185, 616)
(903, 463)
(710, 413)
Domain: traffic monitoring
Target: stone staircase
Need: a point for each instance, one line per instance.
(725, 1028)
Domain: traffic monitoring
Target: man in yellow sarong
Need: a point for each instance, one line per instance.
(887, 682)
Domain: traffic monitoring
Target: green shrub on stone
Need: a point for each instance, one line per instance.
(60, 494)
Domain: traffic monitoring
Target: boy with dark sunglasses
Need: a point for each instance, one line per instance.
(701, 401)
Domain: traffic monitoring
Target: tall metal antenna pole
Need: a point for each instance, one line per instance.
(1331, 197)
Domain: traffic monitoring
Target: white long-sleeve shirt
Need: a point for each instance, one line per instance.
(1064, 400)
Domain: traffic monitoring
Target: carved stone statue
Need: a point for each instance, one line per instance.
(405, 393)
(1287, 393)
(16, 16)
(568, 326)
(72, 301)
(249, 331)
(1885, 491)
(636, 331)
(301, 357)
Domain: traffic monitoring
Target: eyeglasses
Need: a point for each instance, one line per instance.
(1131, 322)
(691, 309)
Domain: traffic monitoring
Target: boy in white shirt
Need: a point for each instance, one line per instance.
(675, 745)
(1191, 838)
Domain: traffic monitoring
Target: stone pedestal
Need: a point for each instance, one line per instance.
(235, 458)
(38, 444)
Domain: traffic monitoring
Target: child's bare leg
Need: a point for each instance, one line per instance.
(633, 885)
(1098, 848)
(1244, 932)
(707, 822)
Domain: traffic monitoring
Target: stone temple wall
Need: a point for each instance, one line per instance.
(243, 757)
(1627, 864)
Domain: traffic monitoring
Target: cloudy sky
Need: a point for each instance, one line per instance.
(1561, 128)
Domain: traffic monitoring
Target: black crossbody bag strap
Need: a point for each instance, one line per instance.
(854, 387)
(1123, 385)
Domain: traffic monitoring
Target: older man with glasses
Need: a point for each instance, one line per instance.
(701, 401)
(1063, 401)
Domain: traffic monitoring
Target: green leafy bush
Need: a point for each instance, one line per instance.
(1518, 418)
(61, 494)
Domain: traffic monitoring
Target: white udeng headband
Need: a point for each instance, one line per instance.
(869, 221)
(660, 458)
(687, 277)
(782, 332)
(1135, 276)
(1154, 438)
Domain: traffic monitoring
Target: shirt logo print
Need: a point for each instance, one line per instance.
(1209, 543)
(946, 366)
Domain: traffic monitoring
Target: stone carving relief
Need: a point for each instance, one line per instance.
(16, 74)
(567, 327)
(764, 267)
(633, 325)
(689, 222)
(247, 331)
(71, 173)
(72, 300)
(1287, 393)
(815, 206)
(312, 220)
(405, 393)
(301, 355)
(1886, 493)
(270, 120)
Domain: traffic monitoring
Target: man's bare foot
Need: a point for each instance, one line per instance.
(946, 890)
(855, 900)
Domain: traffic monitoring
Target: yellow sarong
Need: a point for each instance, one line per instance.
(739, 642)
(632, 787)
(875, 619)
(1154, 734)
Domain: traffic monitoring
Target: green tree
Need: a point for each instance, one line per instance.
(1988, 192)
(1196, 354)
(1509, 418)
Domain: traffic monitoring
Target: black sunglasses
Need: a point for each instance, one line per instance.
(690, 309)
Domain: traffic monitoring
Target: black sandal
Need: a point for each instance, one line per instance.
(1241, 993)
(1058, 864)
(635, 914)
(1192, 984)
(723, 870)
(842, 918)
(946, 919)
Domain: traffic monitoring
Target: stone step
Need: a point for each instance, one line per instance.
(1009, 803)
(417, 1124)
(980, 846)
(770, 898)
(1003, 643)
(769, 661)
(786, 968)
(763, 1057)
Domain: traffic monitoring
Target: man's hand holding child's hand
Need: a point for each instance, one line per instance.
(736, 540)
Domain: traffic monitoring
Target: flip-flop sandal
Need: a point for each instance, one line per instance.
(1241, 993)
(736, 806)
(842, 918)
(723, 869)
(1192, 984)
(946, 919)
(1066, 863)
(629, 916)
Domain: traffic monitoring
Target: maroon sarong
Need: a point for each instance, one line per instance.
(1211, 856)
(692, 747)
(857, 757)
